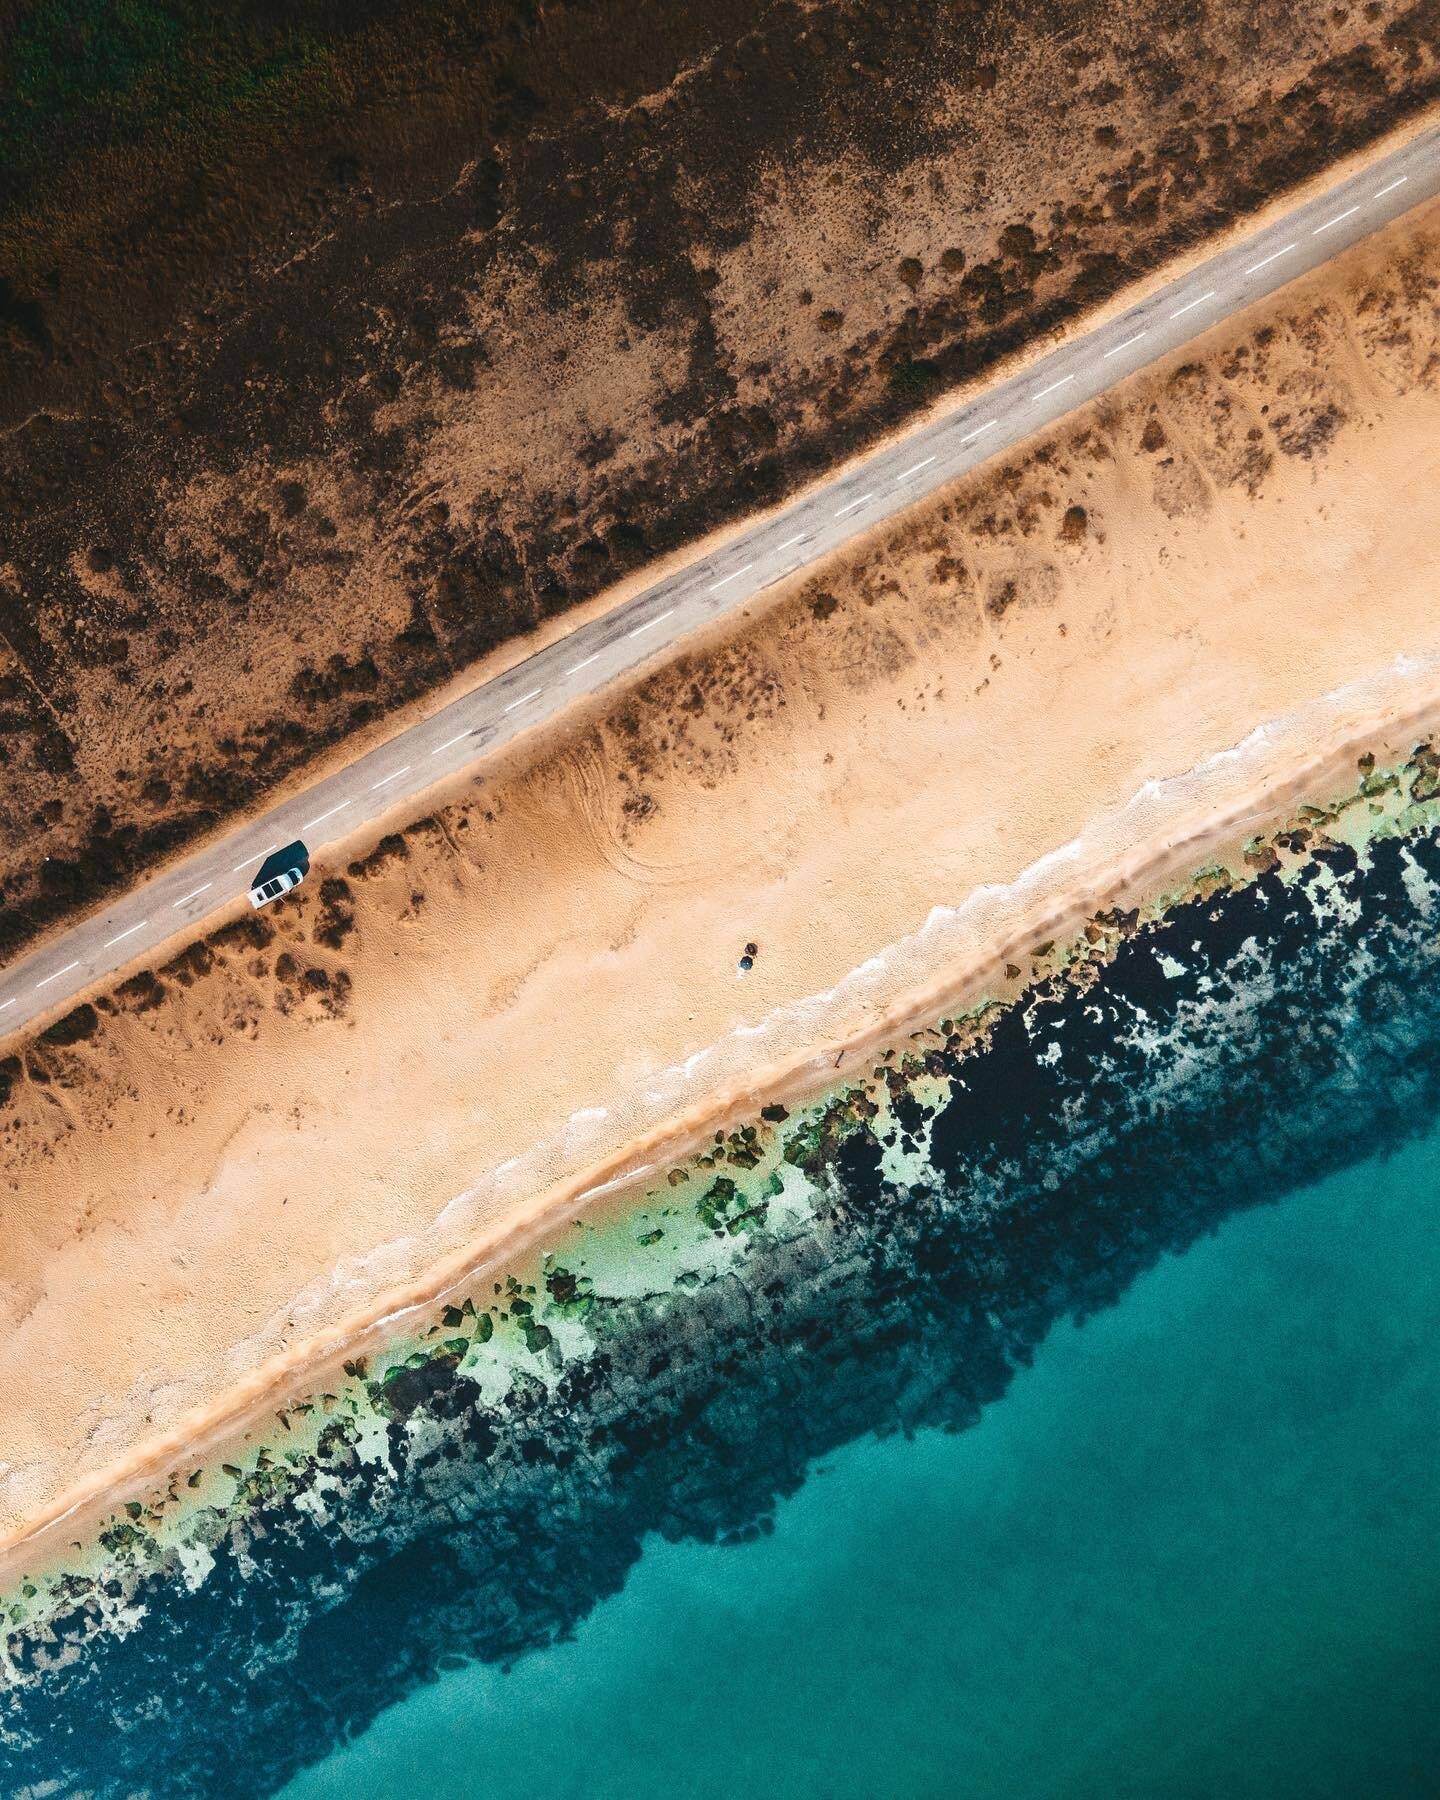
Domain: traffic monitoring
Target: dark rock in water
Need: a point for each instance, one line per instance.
(1216, 1061)
(407, 1389)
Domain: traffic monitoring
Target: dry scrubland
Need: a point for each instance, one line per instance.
(302, 410)
(245, 1144)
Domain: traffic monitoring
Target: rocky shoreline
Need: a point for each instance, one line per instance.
(881, 1262)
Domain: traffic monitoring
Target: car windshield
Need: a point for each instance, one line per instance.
(270, 889)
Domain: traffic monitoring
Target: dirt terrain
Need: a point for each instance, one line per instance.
(335, 351)
(230, 1152)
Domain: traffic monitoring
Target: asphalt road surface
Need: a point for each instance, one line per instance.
(191, 895)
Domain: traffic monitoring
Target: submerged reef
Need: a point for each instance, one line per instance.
(881, 1261)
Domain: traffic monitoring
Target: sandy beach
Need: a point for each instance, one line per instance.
(893, 780)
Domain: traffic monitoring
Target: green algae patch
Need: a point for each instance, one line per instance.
(724, 1208)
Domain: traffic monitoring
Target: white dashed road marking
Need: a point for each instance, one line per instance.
(5, 1003)
(1190, 305)
(650, 624)
(129, 932)
(58, 973)
(729, 578)
(1391, 189)
(790, 543)
(310, 824)
(1265, 261)
(195, 895)
(914, 469)
(258, 857)
(534, 694)
(449, 744)
(978, 429)
(1128, 342)
(385, 780)
(1348, 213)
(850, 505)
(1051, 389)
(583, 665)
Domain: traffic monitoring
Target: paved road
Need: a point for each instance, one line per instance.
(191, 895)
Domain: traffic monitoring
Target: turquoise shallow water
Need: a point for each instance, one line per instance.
(1193, 1551)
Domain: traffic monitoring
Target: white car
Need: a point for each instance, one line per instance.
(280, 871)
(266, 891)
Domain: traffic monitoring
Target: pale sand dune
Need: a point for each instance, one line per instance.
(213, 1182)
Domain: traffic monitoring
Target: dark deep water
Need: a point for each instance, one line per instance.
(1192, 1553)
(1183, 1548)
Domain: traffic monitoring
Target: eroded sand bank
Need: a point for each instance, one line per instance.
(546, 972)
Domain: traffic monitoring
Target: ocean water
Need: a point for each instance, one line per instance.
(1192, 1551)
(1050, 1411)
